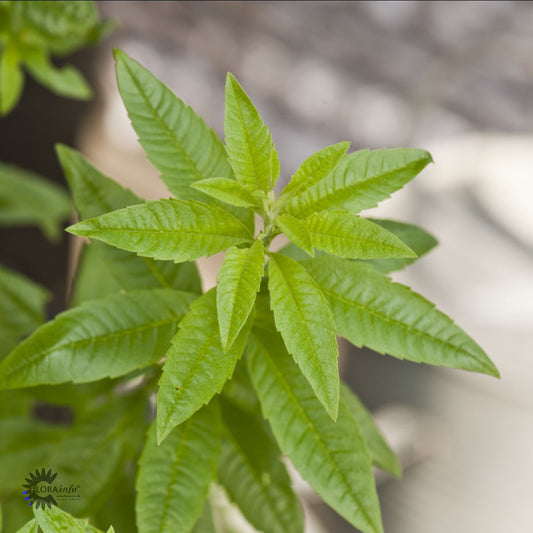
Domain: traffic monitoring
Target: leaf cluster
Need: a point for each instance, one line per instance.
(31, 32)
(247, 372)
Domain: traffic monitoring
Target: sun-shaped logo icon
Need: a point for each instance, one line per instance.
(37, 488)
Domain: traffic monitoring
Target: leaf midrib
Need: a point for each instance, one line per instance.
(400, 324)
(317, 435)
(78, 343)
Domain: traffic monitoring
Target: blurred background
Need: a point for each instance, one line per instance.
(455, 78)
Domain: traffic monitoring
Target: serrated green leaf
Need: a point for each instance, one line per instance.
(54, 520)
(197, 367)
(22, 304)
(11, 79)
(229, 191)
(249, 144)
(373, 311)
(66, 81)
(102, 338)
(296, 231)
(239, 280)
(360, 181)
(419, 240)
(167, 229)
(306, 324)
(331, 456)
(30, 527)
(382, 456)
(175, 139)
(174, 477)
(347, 235)
(103, 269)
(111, 530)
(315, 168)
(253, 475)
(27, 198)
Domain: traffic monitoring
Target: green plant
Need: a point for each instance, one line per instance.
(249, 369)
(31, 32)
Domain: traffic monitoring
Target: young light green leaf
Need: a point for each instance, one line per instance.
(347, 235)
(174, 477)
(370, 310)
(197, 367)
(11, 79)
(306, 324)
(249, 144)
(229, 191)
(22, 303)
(360, 181)
(239, 280)
(331, 456)
(382, 455)
(296, 231)
(31, 527)
(111, 530)
(167, 229)
(102, 338)
(419, 240)
(315, 168)
(27, 198)
(175, 139)
(54, 520)
(66, 81)
(254, 477)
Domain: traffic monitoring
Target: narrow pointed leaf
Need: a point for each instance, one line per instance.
(102, 338)
(11, 79)
(296, 231)
(370, 310)
(167, 230)
(331, 456)
(27, 198)
(249, 144)
(306, 324)
(103, 269)
(66, 81)
(419, 240)
(315, 168)
(254, 477)
(229, 191)
(174, 477)
(175, 139)
(347, 235)
(197, 367)
(54, 520)
(238, 280)
(360, 181)
(381, 453)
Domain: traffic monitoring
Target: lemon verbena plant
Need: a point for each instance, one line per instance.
(246, 373)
